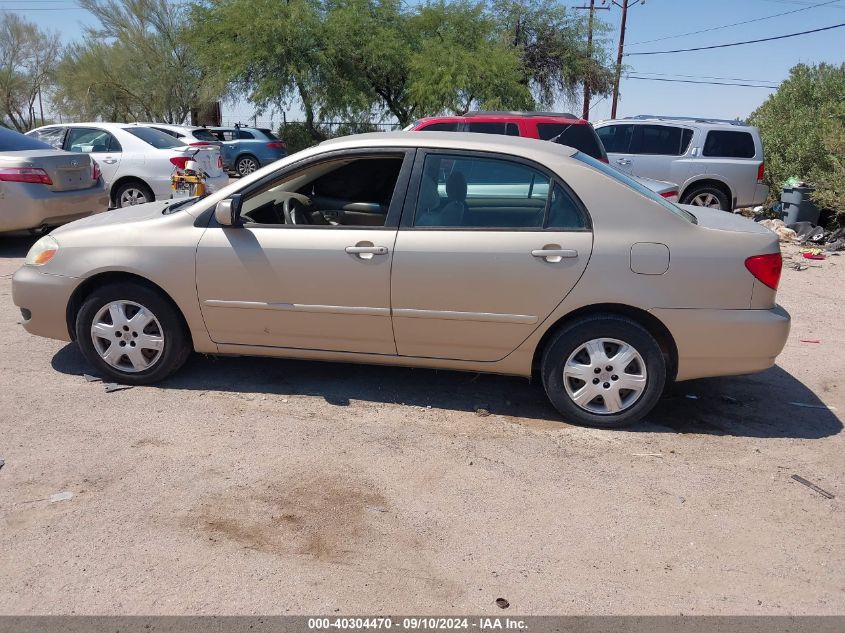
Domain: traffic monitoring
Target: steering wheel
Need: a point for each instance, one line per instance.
(296, 211)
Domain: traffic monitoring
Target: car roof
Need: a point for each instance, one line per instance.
(713, 124)
(507, 117)
(536, 149)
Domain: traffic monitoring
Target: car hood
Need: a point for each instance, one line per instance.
(724, 220)
(126, 215)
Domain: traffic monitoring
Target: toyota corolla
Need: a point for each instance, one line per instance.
(455, 251)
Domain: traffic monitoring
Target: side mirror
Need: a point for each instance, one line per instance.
(228, 211)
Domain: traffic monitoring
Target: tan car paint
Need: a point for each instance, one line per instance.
(704, 290)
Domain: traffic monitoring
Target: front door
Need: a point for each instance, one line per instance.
(487, 249)
(310, 267)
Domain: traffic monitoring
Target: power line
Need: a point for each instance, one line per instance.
(708, 83)
(763, 81)
(764, 39)
(726, 26)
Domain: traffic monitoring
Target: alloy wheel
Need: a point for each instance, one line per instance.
(131, 196)
(127, 336)
(605, 376)
(246, 166)
(706, 200)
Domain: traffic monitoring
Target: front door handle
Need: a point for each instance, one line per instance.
(554, 255)
(366, 252)
(623, 161)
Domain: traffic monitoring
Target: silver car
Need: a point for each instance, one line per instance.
(715, 163)
(42, 187)
(453, 251)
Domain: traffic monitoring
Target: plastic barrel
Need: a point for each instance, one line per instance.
(797, 206)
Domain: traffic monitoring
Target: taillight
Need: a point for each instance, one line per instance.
(276, 145)
(200, 144)
(180, 161)
(766, 268)
(95, 171)
(761, 172)
(33, 175)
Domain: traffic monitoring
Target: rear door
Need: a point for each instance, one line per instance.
(101, 145)
(487, 248)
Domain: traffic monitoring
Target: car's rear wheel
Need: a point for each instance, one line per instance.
(707, 196)
(132, 193)
(605, 371)
(132, 333)
(245, 165)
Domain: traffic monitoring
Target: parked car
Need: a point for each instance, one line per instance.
(715, 163)
(136, 161)
(189, 134)
(246, 149)
(598, 286)
(41, 187)
(563, 128)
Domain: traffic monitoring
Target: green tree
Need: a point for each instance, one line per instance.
(136, 65)
(552, 44)
(803, 130)
(28, 59)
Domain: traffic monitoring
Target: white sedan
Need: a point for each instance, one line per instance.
(136, 161)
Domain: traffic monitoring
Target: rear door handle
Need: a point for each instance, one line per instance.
(554, 255)
(623, 161)
(366, 252)
(109, 160)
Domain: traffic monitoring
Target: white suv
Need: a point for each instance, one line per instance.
(715, 163)
(136, 161)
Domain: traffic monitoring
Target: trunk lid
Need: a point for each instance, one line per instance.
(69, 171)
(726, 221)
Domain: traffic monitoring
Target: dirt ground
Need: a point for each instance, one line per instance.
(246, 486)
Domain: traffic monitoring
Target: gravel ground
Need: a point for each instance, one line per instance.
(254, 486)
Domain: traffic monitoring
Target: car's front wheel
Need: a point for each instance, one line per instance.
(131, 333)
(605, 371)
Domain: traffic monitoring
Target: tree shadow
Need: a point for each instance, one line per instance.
(744, 406)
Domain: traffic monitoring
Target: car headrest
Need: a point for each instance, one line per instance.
(429, 198)
(456, 187)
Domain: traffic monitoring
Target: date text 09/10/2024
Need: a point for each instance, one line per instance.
(416, 624)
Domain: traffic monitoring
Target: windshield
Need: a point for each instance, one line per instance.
(607, 170)
(11, 141)
(156, 138)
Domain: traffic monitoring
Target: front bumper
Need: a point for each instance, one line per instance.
(43, 299)
(29, 206)
(725, 342)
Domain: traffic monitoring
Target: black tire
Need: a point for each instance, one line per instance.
(704, 191)
(126, 188)
(242, 165)
(177, 343)
(574, 336)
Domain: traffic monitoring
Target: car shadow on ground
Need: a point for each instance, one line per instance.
(746, 406)
(16, 245)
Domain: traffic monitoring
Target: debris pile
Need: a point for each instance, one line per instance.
(816, 237)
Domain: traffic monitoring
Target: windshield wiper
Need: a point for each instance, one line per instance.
(182, 203)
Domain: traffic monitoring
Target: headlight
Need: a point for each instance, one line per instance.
(42, 251)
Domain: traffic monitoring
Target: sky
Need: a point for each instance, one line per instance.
(767, 62)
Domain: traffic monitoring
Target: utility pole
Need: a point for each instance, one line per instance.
(585, 112)
(619, 52)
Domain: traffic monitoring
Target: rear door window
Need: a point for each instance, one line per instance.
(663, 140)
(616, 138)
(484, 127)
(729, 144)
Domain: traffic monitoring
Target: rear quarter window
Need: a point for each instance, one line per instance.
(729, 144)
